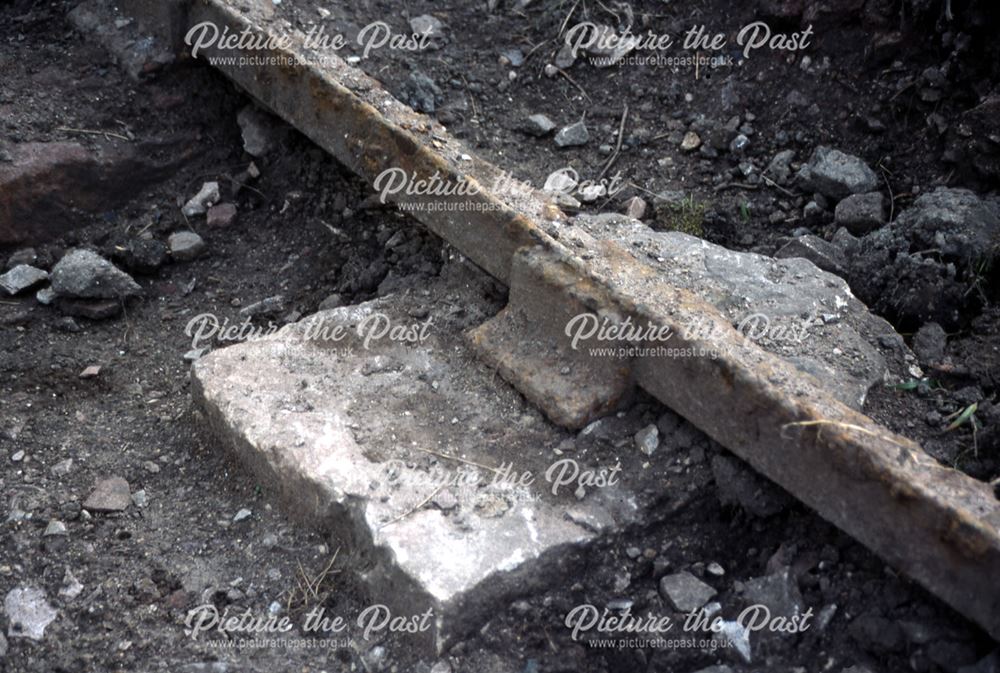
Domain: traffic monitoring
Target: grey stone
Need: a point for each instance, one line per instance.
(925, 265)
(648, 439)
(186, 245)
(780, 168)
(421, 92)
(144, 255)
(538, 125)
(22, 277)
(258, 129)
(267, 306)
(109, 495)
(636, 208)
(778, 592)
(308, 421)
(84, 274)
(206, 197)
(55, 528)
(3, 646)
(685, 592)
(822, 253)
(27, 256)
(860, 213)
(427, 25)
(929, 343)
(331, 302)
(28, 613)
(573, 135)
(738, 485)
(45, 296)
(777, 303)
(836, 174)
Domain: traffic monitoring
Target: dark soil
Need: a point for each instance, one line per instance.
(303, 231)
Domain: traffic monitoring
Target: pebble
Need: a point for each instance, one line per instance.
(90, 372)
(241, 515)
(268, 306)
(685, 591)
(21, 278)
(206, 197)
(538, 125)
(331, 302)
(54, 528)
(28, 608)
(110, 495)
(139, 498)
(715, 569)
(691, 141)
(636, 208)
(151, 467)
(427, 25)
(185, 245)
(62, 468)
(648, 439)
(573, 135)
(221, 215)
(45, 296)
(18, 456)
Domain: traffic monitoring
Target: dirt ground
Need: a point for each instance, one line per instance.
(305, 230)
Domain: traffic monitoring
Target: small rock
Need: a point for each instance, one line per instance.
(929, 343)
(185, 245)
(206, 197)
(90, 372)
(421, 92)
(836, 174)
(27, 256)
(139, 498)
(21, 278)
(241, 515)
(17, 456)
(221, 215)
(445, 500)
(259, 130)
(28, 613)
(861, 213)
(195, 354)
(109, 495)
(151, 467)
(538, 125)
(648, 439)
(83, 274)
(823, 254)
(427, 25)
(45, 296)
(62, 468)
(715, 569)
(691, 141)
(685, 592)
(269, 306)
(778, 592)
(55, 528)
(636, 208)
(780, 168)
(144, 255)
(573, 135)
(331, 302)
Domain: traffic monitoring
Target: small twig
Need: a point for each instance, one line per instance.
(734, 185)
(573, 82)
(90, 132)
(566, 20)
(892, 197)
(456, 458)
(618, 146)
(786, 192)
(413, 509)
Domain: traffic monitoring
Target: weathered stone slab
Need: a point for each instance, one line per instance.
(414, 455)
(788, 307)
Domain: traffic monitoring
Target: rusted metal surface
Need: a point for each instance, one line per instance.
(937, 525)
